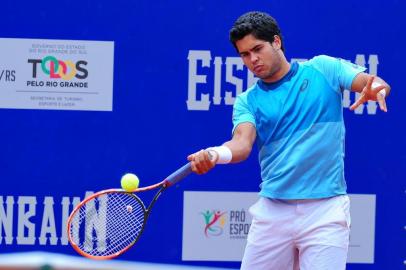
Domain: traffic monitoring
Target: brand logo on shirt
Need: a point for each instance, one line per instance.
(304, 85)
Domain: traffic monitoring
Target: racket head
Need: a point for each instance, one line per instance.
(106, 224)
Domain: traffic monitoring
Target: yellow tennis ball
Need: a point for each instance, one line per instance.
(129, 182)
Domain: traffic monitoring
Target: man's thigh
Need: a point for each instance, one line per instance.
(324, 237)
(270, 244)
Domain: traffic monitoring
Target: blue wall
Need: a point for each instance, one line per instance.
(151, 131)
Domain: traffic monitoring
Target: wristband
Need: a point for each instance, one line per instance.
(224, 154)
(382, 92)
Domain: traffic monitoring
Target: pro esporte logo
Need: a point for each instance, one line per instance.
(59, 69)
(214, 222)
(232, 223)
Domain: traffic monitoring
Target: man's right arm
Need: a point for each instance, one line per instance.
(242, 142)
(240, 146)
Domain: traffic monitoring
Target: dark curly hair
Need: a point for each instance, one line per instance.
(261, 25)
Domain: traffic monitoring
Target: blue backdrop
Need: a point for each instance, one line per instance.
(151, 131)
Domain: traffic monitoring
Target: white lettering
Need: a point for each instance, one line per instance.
(373, 70)
(96, 216)
(65, 216)
(26, 229)
(217, 80)
(360, 61)
(24, 223)
(230, 63)
(48, 223)
(194, 79)
(6, 220)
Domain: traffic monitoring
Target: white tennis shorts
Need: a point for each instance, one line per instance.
(298, 234)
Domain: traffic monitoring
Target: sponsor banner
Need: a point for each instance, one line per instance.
(362, 239)
(216, 224)
(56, 74)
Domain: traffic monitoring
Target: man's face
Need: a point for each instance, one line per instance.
(261, 57)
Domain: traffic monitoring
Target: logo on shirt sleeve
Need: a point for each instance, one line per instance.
(304, 85)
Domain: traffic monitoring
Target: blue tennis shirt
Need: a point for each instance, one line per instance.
(300, 128)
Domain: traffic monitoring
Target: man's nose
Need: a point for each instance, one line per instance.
(254, 57)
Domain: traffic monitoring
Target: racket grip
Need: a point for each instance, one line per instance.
(178, 175)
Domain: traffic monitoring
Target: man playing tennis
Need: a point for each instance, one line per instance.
(294, 114)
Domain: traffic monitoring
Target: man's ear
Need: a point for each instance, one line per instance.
(276, 44)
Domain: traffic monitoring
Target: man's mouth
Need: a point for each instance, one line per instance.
(258, 68)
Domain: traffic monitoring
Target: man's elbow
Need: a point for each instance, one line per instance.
(243, 153)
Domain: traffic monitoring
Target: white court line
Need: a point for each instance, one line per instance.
(59, 261)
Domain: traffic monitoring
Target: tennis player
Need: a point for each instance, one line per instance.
(294, 114)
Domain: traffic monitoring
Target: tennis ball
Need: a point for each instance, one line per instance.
(129, 182)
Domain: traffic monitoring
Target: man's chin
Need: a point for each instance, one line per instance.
(262, 76)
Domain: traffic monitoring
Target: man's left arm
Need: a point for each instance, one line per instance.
(370, 88)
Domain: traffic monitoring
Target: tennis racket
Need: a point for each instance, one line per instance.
(108, 223)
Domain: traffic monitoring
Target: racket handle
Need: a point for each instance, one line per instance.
(178, 175)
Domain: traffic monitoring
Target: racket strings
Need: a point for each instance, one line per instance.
(107, 224)
(131, 225)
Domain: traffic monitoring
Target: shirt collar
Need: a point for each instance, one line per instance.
(271, 86)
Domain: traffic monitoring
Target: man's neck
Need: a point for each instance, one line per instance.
(279, 74)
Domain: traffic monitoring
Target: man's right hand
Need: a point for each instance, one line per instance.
(203, 161)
